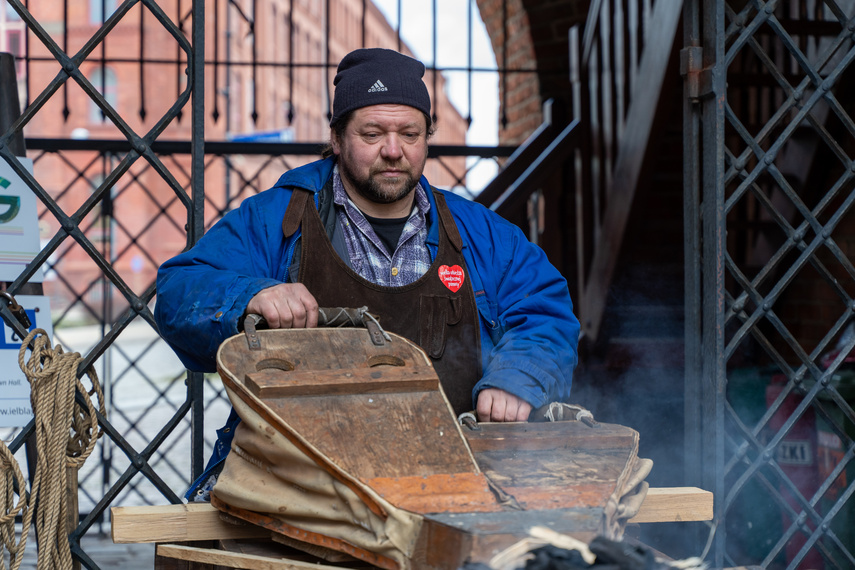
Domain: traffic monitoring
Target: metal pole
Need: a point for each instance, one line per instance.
(714, 250)
(196, 219)
(10, 107)
(692, 145)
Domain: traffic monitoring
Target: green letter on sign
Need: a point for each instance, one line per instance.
(14, 203)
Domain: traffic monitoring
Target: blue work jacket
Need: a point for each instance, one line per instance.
(529, 334)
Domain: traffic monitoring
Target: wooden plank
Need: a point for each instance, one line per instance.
(201, 521)
(540, 469)
(235, 559)
(554, 465)
(164, 563)
(590, 495)
(366, 435)
(380, 435)
(320, 349)
(675, 504)
(487, 534)
(176, 523)
(548, 436)
(275, 383)
(460, 493)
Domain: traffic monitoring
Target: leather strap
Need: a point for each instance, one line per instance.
(448, 221)
(294, 212)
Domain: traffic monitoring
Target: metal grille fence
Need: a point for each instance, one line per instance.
(771, 353)
(113, 209)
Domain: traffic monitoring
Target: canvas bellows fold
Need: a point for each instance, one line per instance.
(353, 447)
(308, 500)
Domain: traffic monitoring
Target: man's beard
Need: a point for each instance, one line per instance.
(378, 192)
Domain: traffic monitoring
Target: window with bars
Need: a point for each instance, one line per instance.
(100, 10)
(105, 81)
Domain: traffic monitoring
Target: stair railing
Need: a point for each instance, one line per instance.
(617, 75)
(536, 158)
(617, 71)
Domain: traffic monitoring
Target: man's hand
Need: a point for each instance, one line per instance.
(496, 405)
(285, 306)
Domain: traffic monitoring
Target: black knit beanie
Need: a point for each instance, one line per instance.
(377, 76)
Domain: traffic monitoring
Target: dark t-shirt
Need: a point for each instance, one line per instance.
(389, 230)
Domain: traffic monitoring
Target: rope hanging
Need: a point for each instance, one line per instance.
(66, 433)
(12, 479)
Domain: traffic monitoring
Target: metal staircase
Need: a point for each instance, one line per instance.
(600, 155)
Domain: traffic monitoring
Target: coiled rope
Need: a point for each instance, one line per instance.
(66, 433)
(12, 479)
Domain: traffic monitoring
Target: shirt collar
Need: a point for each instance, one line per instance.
(340, 197)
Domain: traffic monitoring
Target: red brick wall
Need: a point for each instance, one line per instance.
(537, 45)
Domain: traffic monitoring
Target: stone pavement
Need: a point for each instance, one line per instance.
(102, 550)
(109, 555)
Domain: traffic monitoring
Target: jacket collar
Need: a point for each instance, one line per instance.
(314, 176)
(311, 177)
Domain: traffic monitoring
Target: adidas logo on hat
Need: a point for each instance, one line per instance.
(374, 76)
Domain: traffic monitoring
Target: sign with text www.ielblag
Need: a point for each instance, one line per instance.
(15, 408)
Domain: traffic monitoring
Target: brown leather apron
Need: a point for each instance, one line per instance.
(437, 311)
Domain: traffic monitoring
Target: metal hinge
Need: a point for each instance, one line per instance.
(698, 78)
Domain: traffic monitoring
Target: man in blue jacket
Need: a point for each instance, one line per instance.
(363, 227)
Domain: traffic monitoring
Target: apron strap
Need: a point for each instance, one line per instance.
(448, 221)
(294, 212)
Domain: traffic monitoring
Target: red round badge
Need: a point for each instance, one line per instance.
(452, 277)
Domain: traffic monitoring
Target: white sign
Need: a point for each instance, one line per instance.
(15, 409)
(19, 224)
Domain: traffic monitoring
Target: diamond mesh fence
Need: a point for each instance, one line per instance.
(789, 285)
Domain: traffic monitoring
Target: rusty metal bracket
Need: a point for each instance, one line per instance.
(697, 77)
(17, 310)
(327, 317)
(249, 328)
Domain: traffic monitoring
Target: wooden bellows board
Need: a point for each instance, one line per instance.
(353, 446)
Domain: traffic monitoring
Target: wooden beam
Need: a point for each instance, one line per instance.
(176, 523)
(201, 521)
(675, 504)
(222, 558)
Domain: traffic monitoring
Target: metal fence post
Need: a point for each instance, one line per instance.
(10, 107)
(196, 219)
(714, 251)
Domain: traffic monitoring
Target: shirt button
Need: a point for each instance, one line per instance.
(394, 271)
(219, 314)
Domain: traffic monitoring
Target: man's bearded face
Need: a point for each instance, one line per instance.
(382, 152)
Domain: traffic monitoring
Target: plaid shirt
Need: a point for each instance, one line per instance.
(369, 257)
